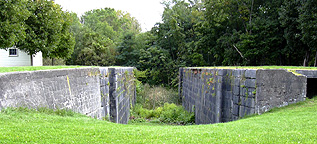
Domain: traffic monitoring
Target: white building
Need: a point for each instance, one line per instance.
(15, 57)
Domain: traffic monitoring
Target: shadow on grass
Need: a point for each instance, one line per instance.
(58, 112)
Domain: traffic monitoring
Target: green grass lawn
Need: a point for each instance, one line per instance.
(293, 124)
(263, 67)
(33, 68)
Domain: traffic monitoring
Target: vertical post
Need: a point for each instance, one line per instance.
(113, 95)
(180, 84)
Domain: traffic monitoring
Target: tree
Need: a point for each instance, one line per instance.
(46, 27)
(95, 50)
(110, 23)
(66, 44)
(13, 14)
(127, 51)
(288, 16)
(101, 31)
(308, 26)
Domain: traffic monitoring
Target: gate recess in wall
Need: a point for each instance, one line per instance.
(311, 87)
(311, 82)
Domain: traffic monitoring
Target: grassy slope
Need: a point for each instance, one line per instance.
(33, 68)
(263, 67)
(293, 124)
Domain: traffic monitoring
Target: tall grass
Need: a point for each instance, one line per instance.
(156, 96)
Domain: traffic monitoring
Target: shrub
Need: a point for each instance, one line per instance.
(176, 115)
(169, 113)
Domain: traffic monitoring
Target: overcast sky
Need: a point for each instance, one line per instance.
(147, 12)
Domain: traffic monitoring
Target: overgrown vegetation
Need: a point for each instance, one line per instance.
(156, 96)
(168, 114)
(292, 124)
(157, 104)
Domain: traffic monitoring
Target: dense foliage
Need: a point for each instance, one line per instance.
(36, 26)
(97, 35)
(192, 33)
(224, 32)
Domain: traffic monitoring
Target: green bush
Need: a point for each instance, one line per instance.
(176, 115)
(169, 113)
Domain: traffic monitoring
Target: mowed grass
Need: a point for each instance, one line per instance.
(293, 124)
(34, 68)
(262, 67)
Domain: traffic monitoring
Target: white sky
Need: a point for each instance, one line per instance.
(147, 12)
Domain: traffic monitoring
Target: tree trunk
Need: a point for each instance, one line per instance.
(250, 21)
(52, 61)
(306, 60)
(31, 56)
(315, 64)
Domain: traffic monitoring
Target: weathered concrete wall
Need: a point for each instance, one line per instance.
(75, 89)
(117, 93)
(278, 88)
(104, 91)
(222, 95)
(96, 92)
(121, 93)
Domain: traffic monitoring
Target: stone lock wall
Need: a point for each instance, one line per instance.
(75, 89)
(222, 95)
(277, 88)
(83, 90)
(121, 94)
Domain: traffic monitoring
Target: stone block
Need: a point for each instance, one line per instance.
(251, 92)
(221, 72)
(308, 73)
(250, 74)
(249, 111)
(228, 95)
(235, 117)
(250, 83)
(236, 90)
(237, 81)
(219, 79)
(243, 91)
(236, 99)
(242, 111)
(235, 110)
(236, 73)
(248, 102)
